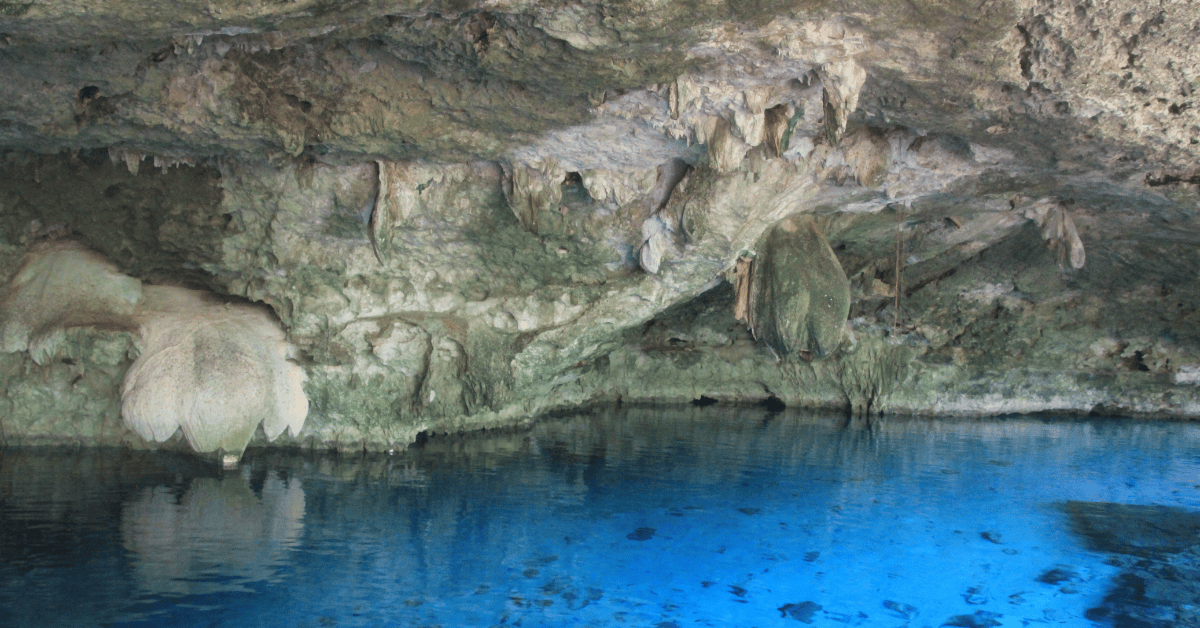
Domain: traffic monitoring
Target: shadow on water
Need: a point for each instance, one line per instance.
(1158, 550)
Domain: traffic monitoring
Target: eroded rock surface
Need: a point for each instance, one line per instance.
(799, 295)
(466, 213)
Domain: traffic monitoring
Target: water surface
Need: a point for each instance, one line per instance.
(639, 517)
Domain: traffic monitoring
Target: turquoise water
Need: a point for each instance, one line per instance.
(639, 517)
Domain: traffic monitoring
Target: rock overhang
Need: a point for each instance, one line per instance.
(510, 157)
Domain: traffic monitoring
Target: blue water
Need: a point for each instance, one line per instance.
(640, 517)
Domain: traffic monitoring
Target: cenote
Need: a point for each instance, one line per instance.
(633, 517)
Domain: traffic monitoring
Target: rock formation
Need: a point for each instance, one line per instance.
(61, 285)
(799, 296)
(467, 213)
(216, 371)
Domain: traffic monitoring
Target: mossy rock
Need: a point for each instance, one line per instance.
(799, 295)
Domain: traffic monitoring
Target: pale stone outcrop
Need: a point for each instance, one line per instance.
(62, 284)
(215, 370)
(1063, 238)
(536, 191)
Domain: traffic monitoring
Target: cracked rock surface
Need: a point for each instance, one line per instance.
(465, 213)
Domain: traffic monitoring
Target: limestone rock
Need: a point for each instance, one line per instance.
(1063, 238)
(799, 295)
(743, 273)
(657, 239)
(217, 371)
(725, 149)
(445, 391)
(63, 284)
(841, 82)
(867, 154)
(489, 183)
(535, 191)
(618, 187)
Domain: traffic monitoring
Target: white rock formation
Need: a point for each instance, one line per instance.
(215, 370)
(63, 284)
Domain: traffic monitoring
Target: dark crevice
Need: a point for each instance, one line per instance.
(1026, 54)
(917, 286)
(88, 93)
(1156, 179)
(1135, 362)
(773, 404)
(479, 30)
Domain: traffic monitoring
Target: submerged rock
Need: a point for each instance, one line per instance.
(641, 534)
(900, 609)
(802, 612)
(1158, 550)
(981, 619)
(1134, 529)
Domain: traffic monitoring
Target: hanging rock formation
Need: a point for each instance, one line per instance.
(216, 371)
(61, 284)
(799, 296)
(213, 370)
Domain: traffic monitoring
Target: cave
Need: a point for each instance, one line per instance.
(239, 230)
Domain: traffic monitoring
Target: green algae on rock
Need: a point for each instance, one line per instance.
(799, 295)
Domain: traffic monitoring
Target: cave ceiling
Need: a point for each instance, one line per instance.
(1072, 86)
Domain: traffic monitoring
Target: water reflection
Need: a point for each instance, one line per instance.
(216, 535)
(647, 516)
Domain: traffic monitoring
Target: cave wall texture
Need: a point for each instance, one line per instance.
(464, 213)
